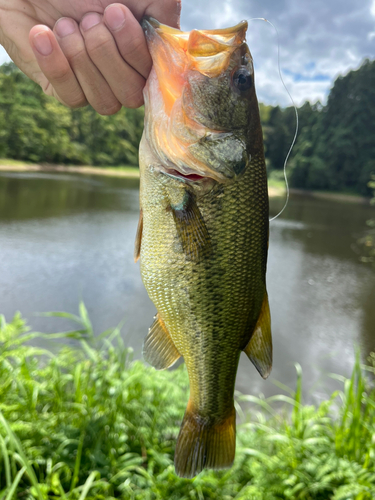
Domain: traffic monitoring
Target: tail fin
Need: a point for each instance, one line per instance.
(204, 443)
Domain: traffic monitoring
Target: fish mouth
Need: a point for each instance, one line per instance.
(186, 177)
(233, 35)
(206, 51)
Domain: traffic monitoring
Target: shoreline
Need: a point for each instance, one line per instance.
(133, 173)
(128, 172)
(347, 198)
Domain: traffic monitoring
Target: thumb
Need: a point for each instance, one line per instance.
(166, 12)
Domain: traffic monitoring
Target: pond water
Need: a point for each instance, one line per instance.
(67, 237)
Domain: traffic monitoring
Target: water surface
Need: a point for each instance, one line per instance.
(67, 237)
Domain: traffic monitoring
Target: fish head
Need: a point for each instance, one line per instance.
(202, 116)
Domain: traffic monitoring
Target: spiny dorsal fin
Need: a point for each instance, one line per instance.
(191, 228)
(259, 349)
(158, 347)
(138, 238)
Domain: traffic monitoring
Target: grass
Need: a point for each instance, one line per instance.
(13, 163)
(123, 168)
(279, 186)
(276, 183)
(90, 423)
(18, 163)
(117, 171)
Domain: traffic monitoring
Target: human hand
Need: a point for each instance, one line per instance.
(84, 57)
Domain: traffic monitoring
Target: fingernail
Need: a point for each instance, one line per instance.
(90, 21)
(64, 27)
(114, 17)
(42, 43)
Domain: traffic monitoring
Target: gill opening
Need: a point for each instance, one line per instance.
(295, 110)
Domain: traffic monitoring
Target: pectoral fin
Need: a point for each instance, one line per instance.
(158, 348)
(259, 349)
(138, 238)
(191, 228)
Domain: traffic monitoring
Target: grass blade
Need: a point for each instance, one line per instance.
(17, 444)
(88, 484)
(17, 479)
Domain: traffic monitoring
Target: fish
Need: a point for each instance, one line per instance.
(202, 236)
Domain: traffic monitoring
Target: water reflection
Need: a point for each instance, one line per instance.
(44, 195)
(67, 237)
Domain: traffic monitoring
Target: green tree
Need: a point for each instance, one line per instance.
(34, 127)
(346, 139)
(306, 169)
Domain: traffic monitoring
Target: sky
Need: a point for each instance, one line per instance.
(319, 40)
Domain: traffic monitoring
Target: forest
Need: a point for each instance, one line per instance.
(335, 148)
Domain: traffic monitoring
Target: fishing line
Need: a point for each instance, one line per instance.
(295, 110)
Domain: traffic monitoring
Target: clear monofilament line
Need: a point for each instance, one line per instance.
(295, 109)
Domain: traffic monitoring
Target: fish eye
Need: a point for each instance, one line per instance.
(242, 79)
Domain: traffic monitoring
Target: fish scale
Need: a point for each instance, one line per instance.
(203, 243)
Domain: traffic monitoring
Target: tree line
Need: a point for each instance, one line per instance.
(335, 149)
(37, 128)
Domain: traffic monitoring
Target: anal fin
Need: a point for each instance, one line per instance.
(259, 348)
(138, 238)
(158, 347)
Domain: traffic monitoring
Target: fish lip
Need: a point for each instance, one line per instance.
(190, 175)
(192, 178)
(150, 26)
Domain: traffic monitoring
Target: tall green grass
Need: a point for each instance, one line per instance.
(90, 423)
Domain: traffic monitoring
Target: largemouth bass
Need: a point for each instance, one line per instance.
(203, 230)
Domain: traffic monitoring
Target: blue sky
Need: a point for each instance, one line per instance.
(319, 39)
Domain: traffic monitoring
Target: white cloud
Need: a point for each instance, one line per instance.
(318, 40)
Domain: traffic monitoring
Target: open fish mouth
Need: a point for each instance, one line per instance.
(186, 177)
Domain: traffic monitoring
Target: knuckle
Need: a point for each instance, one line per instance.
(77, 102)
(134, 46)
(59, 75)
(108, 109)
(99, 46)
(75, 58)
(134, 100)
